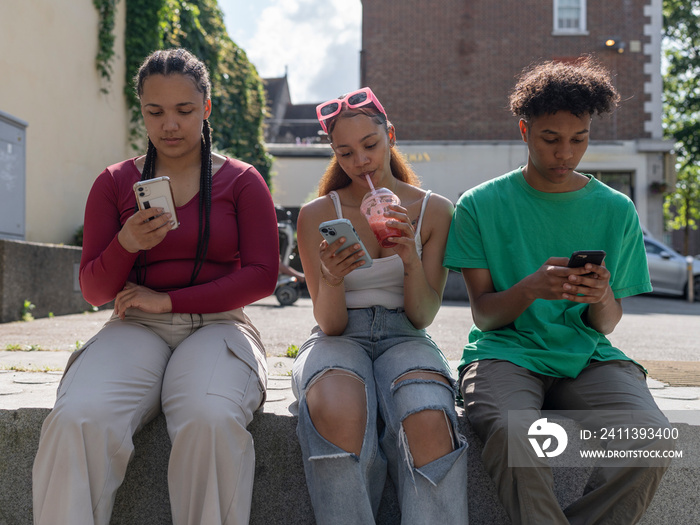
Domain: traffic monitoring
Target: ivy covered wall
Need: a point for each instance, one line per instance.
(238, 98)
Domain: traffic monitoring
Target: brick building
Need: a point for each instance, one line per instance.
(443, 70)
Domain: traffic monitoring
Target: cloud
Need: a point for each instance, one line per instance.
(318, 41)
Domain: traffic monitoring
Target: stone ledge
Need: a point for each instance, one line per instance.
(280, 495)
(44, 274)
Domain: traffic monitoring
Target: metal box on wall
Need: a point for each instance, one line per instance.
(12, 177)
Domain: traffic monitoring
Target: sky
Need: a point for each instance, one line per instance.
(317, 41)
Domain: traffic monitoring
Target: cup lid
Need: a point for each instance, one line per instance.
(380, 195)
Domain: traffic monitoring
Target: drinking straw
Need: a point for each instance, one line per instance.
(371, 186)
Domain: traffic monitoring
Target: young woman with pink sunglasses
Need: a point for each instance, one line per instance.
(374, 390)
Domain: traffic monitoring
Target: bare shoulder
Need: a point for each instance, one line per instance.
(438, 203)
(316, 211)
(439, 208)
(436, 220)
(414, 194)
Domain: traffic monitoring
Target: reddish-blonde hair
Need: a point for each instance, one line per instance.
(335, 178)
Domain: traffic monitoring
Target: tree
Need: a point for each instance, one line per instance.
(238, 98)
(682, 111)
(682, 206)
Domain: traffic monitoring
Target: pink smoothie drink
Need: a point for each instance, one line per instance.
(373, 206)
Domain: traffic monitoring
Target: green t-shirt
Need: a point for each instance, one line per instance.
(511, 229)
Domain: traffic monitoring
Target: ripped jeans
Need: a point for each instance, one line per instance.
(379, 346)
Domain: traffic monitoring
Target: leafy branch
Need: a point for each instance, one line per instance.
(105, 37)
(238, 98)
(682, 112)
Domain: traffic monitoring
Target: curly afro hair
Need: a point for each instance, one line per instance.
(581, 87)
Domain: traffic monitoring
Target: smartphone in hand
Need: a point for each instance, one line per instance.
(337, 228)
(156, 193)
(580, 258)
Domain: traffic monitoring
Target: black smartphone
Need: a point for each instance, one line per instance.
(581, 257)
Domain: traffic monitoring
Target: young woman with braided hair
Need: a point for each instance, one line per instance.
(178, 339)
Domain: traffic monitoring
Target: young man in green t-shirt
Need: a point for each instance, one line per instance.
(539, 335)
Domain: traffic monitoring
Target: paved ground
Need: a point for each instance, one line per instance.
(661, 333)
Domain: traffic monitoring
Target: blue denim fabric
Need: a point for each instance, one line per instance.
(380, 346)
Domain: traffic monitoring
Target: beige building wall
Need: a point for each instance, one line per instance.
(48, 79)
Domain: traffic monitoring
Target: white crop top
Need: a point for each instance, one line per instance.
(382, 283)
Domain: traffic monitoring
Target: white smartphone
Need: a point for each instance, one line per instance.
(156, 193)
(337, 228)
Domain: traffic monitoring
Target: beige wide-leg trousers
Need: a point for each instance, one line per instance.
(208, 374)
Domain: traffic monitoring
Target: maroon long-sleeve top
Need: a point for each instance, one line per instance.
(242, 259)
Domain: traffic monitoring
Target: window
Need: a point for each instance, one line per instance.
(570, 16)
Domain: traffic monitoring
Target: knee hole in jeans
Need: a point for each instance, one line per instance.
(429, 432)
(337, 404)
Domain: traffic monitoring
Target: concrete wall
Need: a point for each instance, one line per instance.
(280, 496)
(46, 275)
(49, 80)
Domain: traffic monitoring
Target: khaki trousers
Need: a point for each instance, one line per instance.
(613, 495)
(207, 373)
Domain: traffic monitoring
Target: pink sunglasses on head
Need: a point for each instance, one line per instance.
(356, 99)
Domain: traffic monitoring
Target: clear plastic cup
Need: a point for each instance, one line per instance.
(373, 207)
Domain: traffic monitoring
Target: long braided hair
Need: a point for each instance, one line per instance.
(181, 61)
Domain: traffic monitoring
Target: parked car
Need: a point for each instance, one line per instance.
(668, 269)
